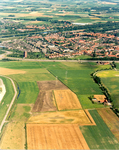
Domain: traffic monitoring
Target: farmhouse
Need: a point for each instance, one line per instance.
(102, 63)
(99, 98)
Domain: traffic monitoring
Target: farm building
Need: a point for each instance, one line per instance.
(99, 99)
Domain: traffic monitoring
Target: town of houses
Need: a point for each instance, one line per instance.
(67, 44)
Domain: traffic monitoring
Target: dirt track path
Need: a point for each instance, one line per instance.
(4, 119)
(2, 56)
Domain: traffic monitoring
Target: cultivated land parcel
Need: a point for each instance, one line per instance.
(44, 116)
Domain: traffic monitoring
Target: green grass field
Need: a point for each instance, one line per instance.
(29, 92)
(28, 83)
(77, 77)
(111, 80)
(20, 65)
(7, 98)
(99, 136)
(31, 77)
(74, 75)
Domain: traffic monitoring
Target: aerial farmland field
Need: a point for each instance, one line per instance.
(51, 53)
(66, 99)
(60, 137)
(42, 85)
(100, 135)
(111, 80)
(111, 120)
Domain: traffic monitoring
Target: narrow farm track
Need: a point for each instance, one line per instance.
(4, 119)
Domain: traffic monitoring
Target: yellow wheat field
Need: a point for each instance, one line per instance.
(54, 136)
(6, 71)
(79, 117)
(66, 99)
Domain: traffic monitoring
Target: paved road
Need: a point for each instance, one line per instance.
(4, 119)
(47, 60)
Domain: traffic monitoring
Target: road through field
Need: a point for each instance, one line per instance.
(4, 119)
(48, 60)
(2, 56)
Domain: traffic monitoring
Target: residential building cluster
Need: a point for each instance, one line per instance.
(67, 44)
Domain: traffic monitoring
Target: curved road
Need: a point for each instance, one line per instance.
(13, 99)
(5, 54)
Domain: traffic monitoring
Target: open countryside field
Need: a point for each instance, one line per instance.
(76, 76)
(41, 76)
(21, 65)
(111, 80)
(79, 117)
(60, 137)
(111, 120)
(51, 85)
(7, 98)
(5, 71)
(33, 76)
(15, 130)
(14, 137)
(99, 136)
(45, 102)
(66, 99)
(56, 14)
(28, 92)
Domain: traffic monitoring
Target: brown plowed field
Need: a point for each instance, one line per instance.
(66, 99)
(44, 102)
(111, 120)
(51, 85)
(55, 137)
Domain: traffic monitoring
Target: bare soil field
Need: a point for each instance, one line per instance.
(51, 85)
(45, 102)
(79, 117)
(14, 136)
(66, 100)
(5, 71)
(55, 137)
(111, 120)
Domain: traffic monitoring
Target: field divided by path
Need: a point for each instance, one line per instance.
(7, 97)
(110, 79)
(55, 137)
(62, 124)
(111, 120)
(99, 136)
(45, 102)
(76, 77)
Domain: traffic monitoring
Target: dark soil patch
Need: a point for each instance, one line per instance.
(51, 85)
(44, 102)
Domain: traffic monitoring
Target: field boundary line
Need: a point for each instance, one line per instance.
(90, 117)
(55, 99)
(10, 106)
(65, 85)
